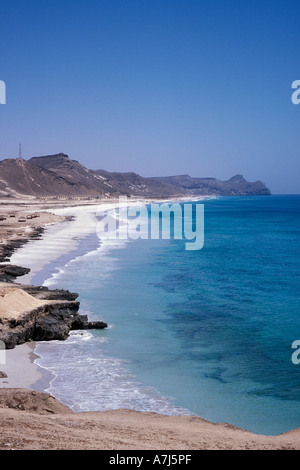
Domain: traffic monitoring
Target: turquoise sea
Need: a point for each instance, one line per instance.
(205, 332)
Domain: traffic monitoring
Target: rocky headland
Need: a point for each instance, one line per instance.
(30, 313)
(33, 313)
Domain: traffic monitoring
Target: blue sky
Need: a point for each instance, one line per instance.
(158, 87)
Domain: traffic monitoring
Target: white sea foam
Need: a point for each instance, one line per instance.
(104, 249)
(86, 379)
(58, 239)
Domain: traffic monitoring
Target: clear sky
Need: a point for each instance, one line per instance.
(160, 87)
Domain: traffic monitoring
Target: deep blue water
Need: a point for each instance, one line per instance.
(207, 332)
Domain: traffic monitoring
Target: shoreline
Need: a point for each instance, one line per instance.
(60, 215)
(20, 368)
(23, 372)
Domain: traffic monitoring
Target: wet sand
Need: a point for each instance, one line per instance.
(20, 369)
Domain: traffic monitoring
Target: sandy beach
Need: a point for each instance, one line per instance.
(27, 423)
(21, 370)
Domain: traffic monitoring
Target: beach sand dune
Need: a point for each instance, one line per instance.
(35, 420)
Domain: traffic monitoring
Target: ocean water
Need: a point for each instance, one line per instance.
(205, 332)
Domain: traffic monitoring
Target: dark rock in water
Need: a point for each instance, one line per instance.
(96, 325)
(81, 323)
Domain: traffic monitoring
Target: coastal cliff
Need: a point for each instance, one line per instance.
(37, 314)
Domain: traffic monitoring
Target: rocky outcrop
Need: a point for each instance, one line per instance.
(50, 318)
(43, 293)
(7, 249)
(34, 312)
(9, 272)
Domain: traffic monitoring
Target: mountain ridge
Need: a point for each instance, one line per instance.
(59, 176)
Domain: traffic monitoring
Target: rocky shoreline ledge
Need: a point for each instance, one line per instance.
(12, 244)
(38, 314)
(30, 313)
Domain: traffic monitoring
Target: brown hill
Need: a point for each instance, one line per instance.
(58, 175)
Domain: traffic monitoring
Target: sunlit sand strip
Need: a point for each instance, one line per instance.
(59, 239)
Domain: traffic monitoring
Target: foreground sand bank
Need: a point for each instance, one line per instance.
(33, 420)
